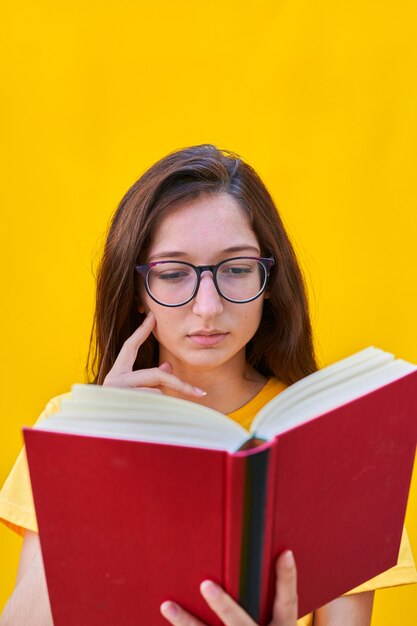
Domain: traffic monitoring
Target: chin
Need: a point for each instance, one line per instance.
(207, 359)
(202, 364)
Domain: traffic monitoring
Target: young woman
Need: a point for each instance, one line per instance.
(199, 296)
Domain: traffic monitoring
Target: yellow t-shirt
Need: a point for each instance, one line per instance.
(17, 509)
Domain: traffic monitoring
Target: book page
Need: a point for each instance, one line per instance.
(139, 415)
(330, 398)
(355, 365)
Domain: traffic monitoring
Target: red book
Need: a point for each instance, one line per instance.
(125, 524)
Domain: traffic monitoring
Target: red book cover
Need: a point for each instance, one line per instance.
(125, 525)
(342, 509)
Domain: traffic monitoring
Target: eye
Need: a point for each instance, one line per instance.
(234, 270)
(169, 276)
(171, 273)
(239, 270)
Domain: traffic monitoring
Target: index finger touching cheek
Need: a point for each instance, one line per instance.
(128, 353)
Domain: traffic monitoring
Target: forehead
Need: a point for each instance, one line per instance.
(210, 223)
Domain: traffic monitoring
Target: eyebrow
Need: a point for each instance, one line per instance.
(175, 254)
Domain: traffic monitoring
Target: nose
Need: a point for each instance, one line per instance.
(207, 302)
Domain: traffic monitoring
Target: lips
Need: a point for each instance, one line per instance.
(206, 333)
(207, 338)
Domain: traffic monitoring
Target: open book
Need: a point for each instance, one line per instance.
(140, 496)
(132, 414)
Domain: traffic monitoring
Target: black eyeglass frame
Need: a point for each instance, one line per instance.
(199, 269)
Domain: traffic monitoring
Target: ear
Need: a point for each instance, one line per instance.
(141, 309)
(267, 295)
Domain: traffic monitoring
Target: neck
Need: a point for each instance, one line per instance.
(228, 386)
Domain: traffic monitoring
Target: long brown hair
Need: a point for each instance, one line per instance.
(282, 346)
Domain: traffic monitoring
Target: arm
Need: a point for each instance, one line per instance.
(352, 610)
(29, 602)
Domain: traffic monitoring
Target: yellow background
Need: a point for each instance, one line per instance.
(320, 97)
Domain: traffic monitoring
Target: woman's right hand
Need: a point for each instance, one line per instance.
(285, 606)
(123, 375)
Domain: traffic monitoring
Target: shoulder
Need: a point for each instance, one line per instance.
(53, 406)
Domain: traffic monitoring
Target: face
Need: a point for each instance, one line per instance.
(208, 332)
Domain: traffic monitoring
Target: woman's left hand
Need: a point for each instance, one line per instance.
(284, 610)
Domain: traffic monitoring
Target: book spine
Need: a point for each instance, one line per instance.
(268, 575)
(235, 470)
(245, 527)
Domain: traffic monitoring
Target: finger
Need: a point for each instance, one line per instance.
(224, 606)
(155, 377)
(149, 389)
(127, 355)
(178, 616)
(166, 367)
(285, 609)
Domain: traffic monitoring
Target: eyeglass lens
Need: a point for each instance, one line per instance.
(237, 280)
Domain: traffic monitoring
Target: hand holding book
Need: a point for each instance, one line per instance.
(231, 613)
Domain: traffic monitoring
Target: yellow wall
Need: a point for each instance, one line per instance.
(319, 96)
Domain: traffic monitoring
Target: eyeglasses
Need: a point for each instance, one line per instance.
(175, 283)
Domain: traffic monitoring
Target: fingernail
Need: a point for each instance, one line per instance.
(200, 391)
(169, 609)
(289, 559)
(209, 590)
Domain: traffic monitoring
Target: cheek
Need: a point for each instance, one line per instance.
(250, 320)
(166, 323)
(151, 305)
(255, 315)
